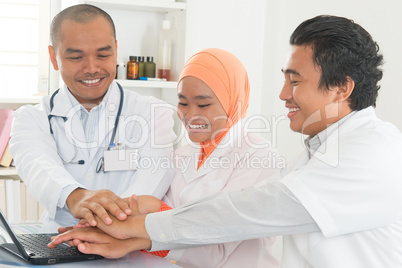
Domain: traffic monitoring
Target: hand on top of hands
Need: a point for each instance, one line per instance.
(85, 204)
(106, 237)
(145, 204)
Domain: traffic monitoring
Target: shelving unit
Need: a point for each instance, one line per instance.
(138, 23)
(147, 84)
(149, 5)
(8, 171)
(14, 103)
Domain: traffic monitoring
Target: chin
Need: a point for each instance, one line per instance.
(296, 128)
(197, 139)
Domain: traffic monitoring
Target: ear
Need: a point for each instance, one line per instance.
(116, 52)
(53, 57)
(344, 91)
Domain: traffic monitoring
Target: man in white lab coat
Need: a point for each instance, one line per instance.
(342, 204)
(63, 146)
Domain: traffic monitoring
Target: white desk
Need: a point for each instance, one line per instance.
(134, 259)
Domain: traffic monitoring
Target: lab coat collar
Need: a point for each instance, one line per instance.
(314, 143)
(190, 154)
(64, 108)
(330, 137)
(108, 117)
(62, 105)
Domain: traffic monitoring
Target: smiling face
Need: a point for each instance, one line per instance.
(311, 108)
(86, 57)
(200, 110)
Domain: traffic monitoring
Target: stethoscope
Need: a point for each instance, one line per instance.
(99, 166)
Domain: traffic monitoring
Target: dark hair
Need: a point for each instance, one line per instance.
(343, 48)
(83, 13)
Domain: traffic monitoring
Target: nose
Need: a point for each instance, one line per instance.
(286, 92)
(91, 65)
(188, 112)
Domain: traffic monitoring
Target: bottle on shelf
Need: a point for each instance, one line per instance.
(121, 70)
(141, 66)
(165, 51)
(149, 67)
(132, 68)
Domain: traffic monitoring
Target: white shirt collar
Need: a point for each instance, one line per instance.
(313, 143)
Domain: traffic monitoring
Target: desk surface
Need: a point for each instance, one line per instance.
(134, 259)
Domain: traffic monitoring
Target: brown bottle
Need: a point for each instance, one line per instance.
(132, 68)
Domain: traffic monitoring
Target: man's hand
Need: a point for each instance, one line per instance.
(94, 241)
(85, 204)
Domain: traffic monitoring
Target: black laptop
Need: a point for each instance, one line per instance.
(33, 247)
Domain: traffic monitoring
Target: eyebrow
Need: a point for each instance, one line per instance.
(290, 71)
(74, 50)
(106, 48)
(199, 97)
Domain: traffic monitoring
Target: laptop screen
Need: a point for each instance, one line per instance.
(4, 236)
(8, 239)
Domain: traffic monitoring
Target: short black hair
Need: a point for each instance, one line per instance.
(82, 13)
(343, 48)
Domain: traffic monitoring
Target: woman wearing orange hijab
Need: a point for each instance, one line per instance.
(213, 93)
(225, 80)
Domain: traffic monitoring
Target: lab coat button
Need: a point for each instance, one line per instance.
(162, 236)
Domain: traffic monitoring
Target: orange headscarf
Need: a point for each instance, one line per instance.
(228, 79)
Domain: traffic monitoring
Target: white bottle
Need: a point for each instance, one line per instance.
(165, 51)
(121, 70)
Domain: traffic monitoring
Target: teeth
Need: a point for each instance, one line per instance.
(294, 109)
(91, 81)
(197, 126)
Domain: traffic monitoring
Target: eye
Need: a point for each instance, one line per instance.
(103, 56)
(294, 82)
(75, 58)
(182, 104)
(204, 105)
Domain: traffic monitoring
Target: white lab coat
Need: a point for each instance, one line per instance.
(351, 186)
(142, 124)
(230, 168)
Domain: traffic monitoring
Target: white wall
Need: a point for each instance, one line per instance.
(257, 31)
(236, 26)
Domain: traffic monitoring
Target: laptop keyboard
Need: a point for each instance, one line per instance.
(37, 244)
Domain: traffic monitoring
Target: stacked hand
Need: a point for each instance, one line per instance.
(111, 240)
(85, 204)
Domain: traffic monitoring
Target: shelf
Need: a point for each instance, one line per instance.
(147, 84)
(145, 5)
(32, 100)
(8, 171)
(15, 103)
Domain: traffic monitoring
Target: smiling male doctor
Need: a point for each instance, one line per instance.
(65, 171)
(342, 206)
